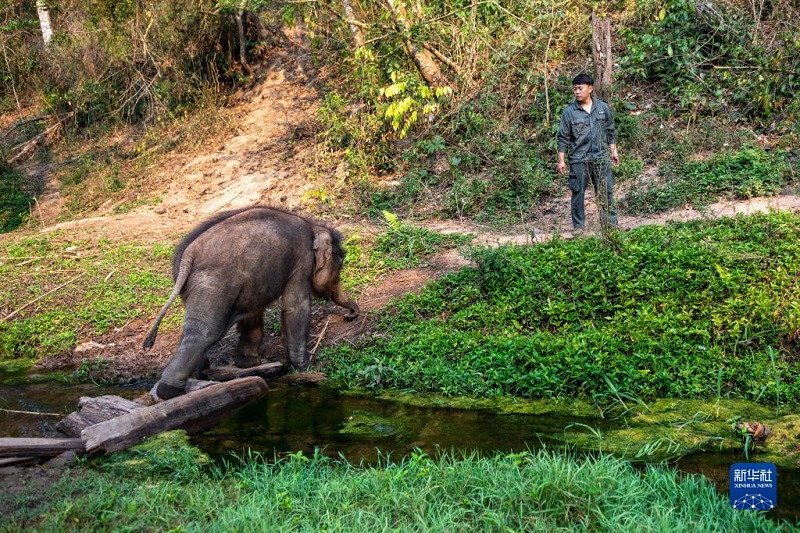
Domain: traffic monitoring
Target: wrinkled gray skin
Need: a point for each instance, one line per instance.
(230, 268)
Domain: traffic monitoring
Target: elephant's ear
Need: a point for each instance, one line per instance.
(323, 250)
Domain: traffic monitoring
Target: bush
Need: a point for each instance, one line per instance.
(15, 203)
(716, 60)
(664, 312)
(739, 175)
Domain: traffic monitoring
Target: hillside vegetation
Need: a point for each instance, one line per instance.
(703, 95)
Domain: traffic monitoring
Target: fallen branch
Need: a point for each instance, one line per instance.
(28, 147)
(30, 412)
(20, 124)
(320, 337)
(26, 447)
(228, 373)
(51, 291)
(193, 412)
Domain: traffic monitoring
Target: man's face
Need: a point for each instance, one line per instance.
(582, 92)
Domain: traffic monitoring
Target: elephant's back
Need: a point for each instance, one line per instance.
(254, 249)
(246, 238)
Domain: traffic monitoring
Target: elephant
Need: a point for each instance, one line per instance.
(229, 268)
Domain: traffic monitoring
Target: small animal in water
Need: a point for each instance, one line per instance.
(757, 431)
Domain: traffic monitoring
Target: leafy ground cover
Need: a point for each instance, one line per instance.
(740, 174)
(167, 485)
(693, 309)
(58, 291)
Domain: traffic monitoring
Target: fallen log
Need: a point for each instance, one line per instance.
(193, 412)
(227, 373)
(37, 447)
(93, 410)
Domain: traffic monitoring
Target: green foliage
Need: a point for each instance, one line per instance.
(167, 455)
(401, 246)
(112, 62)
(523, 491)
(718, 59)
(738, 175)
(408, 99)
(657, 315)
(404, 246)
(88, 368)
(14, 200)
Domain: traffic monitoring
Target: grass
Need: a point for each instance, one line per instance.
(15, 201)
(167, 485)
(57, 292)
(741, 174)
(399, 246)
(692, 310)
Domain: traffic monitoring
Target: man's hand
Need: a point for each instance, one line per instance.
(614, 154)
(562, 168)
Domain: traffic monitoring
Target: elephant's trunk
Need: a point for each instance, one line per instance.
(340, 298)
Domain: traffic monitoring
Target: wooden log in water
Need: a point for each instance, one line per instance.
(193, 412)
(93, 410)
(37, 447)
(227, 373)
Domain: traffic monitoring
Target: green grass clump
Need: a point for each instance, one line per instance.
(14, 201)
(506, 492)
(57, 293)
(400, 246)
(738, 175)
(695, 309)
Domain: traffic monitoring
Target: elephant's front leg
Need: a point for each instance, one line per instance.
(295, 318)
(252, 332)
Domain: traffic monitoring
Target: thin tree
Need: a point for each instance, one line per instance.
(44, 22)
(422, 58)
(240, 8)
(355, 29)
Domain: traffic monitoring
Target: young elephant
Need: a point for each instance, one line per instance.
(231, 267)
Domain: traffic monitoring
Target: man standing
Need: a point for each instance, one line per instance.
(587, 134)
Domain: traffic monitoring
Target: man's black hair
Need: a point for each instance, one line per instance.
(583, 79)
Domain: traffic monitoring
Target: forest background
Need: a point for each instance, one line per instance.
(428, 108)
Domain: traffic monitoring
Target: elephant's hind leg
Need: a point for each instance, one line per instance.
(189, 358)
(251, 330)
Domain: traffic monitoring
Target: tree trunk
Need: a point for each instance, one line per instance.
(602, 56)
(242, 41)
(228, 373)
(44, 22)
(423, 60)
(24, 447)
(358, 35)
(93, 410)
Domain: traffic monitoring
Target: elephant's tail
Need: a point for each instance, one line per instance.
(180, 280)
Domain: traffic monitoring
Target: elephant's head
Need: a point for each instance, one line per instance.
(328, 259)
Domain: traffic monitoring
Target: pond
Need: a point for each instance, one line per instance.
(294, 417)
